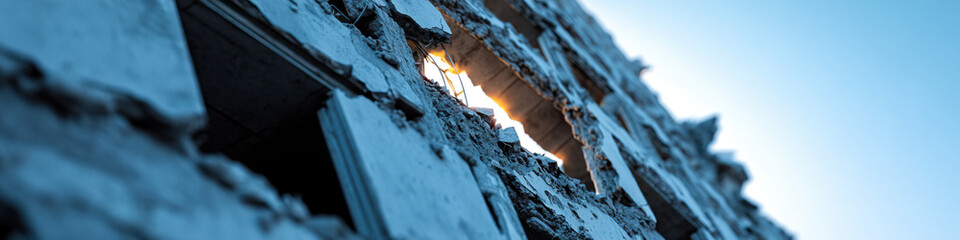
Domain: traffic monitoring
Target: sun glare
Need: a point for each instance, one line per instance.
(458, 84)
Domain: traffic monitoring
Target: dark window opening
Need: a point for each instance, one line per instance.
(340, 10)
(12, 223)
(534, 233)
(262, 110)
(593, 89)
(508, 13)
(670, 223)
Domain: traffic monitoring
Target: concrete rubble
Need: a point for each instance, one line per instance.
(312, 119)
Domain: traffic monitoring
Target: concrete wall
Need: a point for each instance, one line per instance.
(249, 119)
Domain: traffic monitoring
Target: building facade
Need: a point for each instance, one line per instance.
(335, 119)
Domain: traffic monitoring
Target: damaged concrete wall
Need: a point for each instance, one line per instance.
(254, 119)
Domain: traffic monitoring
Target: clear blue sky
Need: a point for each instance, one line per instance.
(845, 112)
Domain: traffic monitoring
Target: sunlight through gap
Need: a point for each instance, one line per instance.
(455, 82)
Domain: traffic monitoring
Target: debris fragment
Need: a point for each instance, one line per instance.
(509, 135)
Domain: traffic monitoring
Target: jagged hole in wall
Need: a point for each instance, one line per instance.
(262, 111)
(476, 75)
(458, 84)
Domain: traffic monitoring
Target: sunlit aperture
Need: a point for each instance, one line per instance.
(458, 84)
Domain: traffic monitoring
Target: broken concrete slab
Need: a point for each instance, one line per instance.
(135, 47)
(509, 135)
(483, 111)
(421, 20)
(455, 208)
(314, 26)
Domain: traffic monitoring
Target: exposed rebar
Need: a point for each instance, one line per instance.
(359, 16)
(454, 65)
(442, 74)
(347, 17)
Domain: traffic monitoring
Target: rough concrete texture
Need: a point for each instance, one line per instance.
(135, 47)
(85, 162)
(87, 152)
